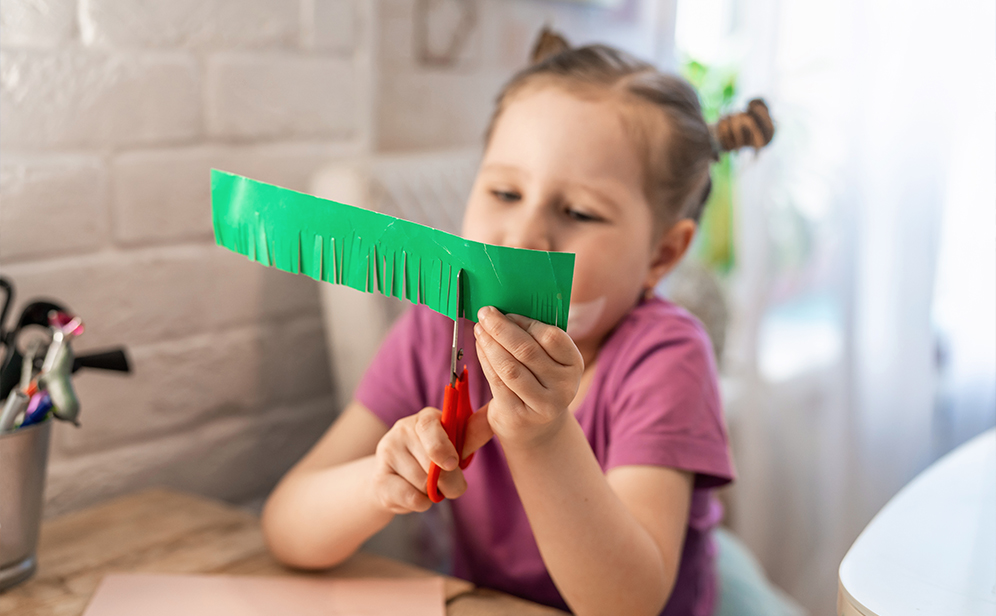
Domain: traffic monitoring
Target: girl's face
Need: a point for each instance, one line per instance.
(560, 174)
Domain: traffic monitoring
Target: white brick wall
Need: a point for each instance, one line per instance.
(440, 110)
(52, 205)
(330, 25)
(229, 458)
(143, 296)
(236, 372)
(112, 115)
(164, 194)
(41, 23)
(425, 105)
(217, 24)
(73, 98)
(266, 95)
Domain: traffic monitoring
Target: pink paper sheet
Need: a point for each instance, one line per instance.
(223, 595)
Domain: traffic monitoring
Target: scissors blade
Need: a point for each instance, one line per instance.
(456, 353)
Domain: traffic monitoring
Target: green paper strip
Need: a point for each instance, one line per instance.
(370, 252)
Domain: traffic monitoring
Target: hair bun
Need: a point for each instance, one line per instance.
(547, 45)
(750, 128)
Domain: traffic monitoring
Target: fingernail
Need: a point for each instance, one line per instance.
(482, 313)
(450, 463)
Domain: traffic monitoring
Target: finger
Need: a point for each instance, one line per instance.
(452, 483)
(499, 391)
(498, 388)
(509, 370)
(399, 496)
(404, 464)
(412, 441)
(555, 341)
(516, 341)
(478, 432)
(434, 441)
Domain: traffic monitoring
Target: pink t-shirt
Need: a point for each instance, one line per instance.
(654, 400)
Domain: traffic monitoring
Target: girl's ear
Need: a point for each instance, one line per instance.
(671, 247)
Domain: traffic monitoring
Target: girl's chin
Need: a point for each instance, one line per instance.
(583, 318)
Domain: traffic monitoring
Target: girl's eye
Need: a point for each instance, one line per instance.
(580, 216)
(507, 196)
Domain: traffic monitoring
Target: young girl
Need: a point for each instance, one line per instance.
(596, 449)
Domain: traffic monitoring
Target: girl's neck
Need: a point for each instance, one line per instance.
(589, 352)
(590, 348)
(586, 378)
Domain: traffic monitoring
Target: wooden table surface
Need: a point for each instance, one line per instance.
(162, 531)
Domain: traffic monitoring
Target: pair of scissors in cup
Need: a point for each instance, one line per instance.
(456, 398)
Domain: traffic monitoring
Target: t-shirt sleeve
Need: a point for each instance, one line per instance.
(668, 411)
(394, 386)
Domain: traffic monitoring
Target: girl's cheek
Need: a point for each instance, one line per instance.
(476, 227)
(471, 231)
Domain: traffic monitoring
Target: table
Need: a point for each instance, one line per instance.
(932, 548)
(164, 531)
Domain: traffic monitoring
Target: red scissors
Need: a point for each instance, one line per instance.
(456, 399)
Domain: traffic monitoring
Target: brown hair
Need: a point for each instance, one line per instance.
(677, 151)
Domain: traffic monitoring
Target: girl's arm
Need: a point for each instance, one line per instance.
(323, 509)
(356, 478)
(611, 544)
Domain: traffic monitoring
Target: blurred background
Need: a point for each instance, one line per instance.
(855, 256)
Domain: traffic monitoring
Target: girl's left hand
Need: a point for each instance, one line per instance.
(534, 370)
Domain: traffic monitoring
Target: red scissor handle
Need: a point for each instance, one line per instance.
(456, 412)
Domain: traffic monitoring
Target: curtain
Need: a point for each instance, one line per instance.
(863, 339)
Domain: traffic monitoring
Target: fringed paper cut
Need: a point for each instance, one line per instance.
(374, 252)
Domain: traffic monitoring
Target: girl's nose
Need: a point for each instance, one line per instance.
(530, 229)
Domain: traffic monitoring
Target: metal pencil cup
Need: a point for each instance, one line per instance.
(23, 458)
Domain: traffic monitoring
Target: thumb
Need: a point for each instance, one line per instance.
(478, 431)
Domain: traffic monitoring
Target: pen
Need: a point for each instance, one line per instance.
(17, 401)
(57, 370)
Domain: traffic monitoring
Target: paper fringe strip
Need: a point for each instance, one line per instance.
(374, 252)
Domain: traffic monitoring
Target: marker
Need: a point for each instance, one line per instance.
(38, 408)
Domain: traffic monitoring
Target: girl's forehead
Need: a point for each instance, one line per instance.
(549, 130)
(559, 103)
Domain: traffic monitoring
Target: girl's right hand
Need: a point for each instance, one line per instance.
(404, 453)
